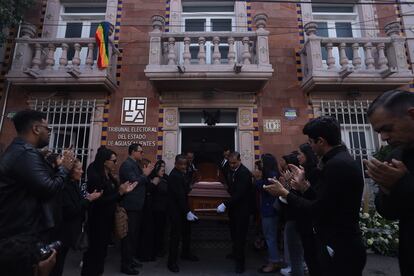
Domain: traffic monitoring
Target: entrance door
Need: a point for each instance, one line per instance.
(207, 143)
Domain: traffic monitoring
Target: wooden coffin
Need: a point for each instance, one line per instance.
(208, 192)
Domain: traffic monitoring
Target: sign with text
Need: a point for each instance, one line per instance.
(134, 111)
(272, 125)
(125, 136)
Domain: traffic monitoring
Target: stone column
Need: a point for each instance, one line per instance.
(407, 12)
(51, 23)
(170, 136)
(313, 48)
(396, 53)
(246, 136)
(24, 52)
(262, 46)
(240, 11)
(155, 51)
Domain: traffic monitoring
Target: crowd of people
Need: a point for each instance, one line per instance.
(309, 199)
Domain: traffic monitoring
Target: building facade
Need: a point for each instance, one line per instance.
(204, 75)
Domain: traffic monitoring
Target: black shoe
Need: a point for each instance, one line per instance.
(230, 256)
(129, 270)
(173, 268)
(136, 263)
(190, 257)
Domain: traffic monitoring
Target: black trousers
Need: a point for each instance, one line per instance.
(129, 244)
(239, 225)
(160, 221)
(180, 231)
(60, 261)
(99, 234)
(349, 257)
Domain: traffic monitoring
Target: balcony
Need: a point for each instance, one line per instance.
(377, 63)
(174, 66)
(67, 63)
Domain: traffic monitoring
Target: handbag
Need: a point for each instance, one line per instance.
(82, 242)
(121, 223)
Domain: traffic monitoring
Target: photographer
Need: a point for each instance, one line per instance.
(20, 256)
(26, 182)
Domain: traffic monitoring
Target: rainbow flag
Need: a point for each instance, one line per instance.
(102, 39)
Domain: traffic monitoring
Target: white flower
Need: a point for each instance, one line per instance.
(370, 241)
(365, 215)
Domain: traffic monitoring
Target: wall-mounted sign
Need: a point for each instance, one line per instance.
(290, 113)
(134, 110)
(272, 125)
(123, 136)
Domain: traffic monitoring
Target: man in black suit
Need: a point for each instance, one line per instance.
(224, 164)
(239, 205)
(334, 203)
(392, 116)
(191, 168)
(133, 204)
(179, 213)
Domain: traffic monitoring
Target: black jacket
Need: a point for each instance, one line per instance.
(74, 207)
(103, 208)
(225, 169)
(130, 171)
(25, 185)
(177, 194)
(335, 201)
(161, 195)
(399, 205)
(241, 190)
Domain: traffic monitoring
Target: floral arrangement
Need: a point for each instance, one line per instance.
(379, 235)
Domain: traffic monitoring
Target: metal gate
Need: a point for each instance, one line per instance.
(356, 131)
(71, 122)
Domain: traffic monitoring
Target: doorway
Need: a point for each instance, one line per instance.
(207, 143)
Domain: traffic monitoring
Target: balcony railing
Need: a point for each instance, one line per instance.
(379, 62)
(60, 62)
(246, 56)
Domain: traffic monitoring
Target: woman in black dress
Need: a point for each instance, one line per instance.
(73, 208)
(101, 212)
(160, 207)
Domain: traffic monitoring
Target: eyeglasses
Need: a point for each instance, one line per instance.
(113, 160)
(49, 129)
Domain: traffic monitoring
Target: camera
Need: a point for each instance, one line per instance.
(47, 250)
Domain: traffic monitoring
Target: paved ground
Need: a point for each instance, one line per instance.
(210, 241)
(212, 262)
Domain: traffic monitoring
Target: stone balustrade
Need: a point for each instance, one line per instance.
(60, 61)
(199, 55)
(362, 61)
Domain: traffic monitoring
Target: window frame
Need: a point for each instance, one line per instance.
(208, 16)
(330, 18)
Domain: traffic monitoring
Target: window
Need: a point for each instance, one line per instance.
(336, 21)
(71, 122)
(356, 131)
(208, 16)
(80, 21)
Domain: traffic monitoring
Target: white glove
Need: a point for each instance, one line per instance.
(221, 208)
(191, 216)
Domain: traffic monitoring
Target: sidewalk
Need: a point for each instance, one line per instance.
(213, 262)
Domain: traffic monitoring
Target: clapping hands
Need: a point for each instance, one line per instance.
(386, 174)
(298, 181)
(68, 157)
(94, 195)
(127, 187)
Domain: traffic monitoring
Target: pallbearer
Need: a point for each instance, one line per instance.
(239, 207)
